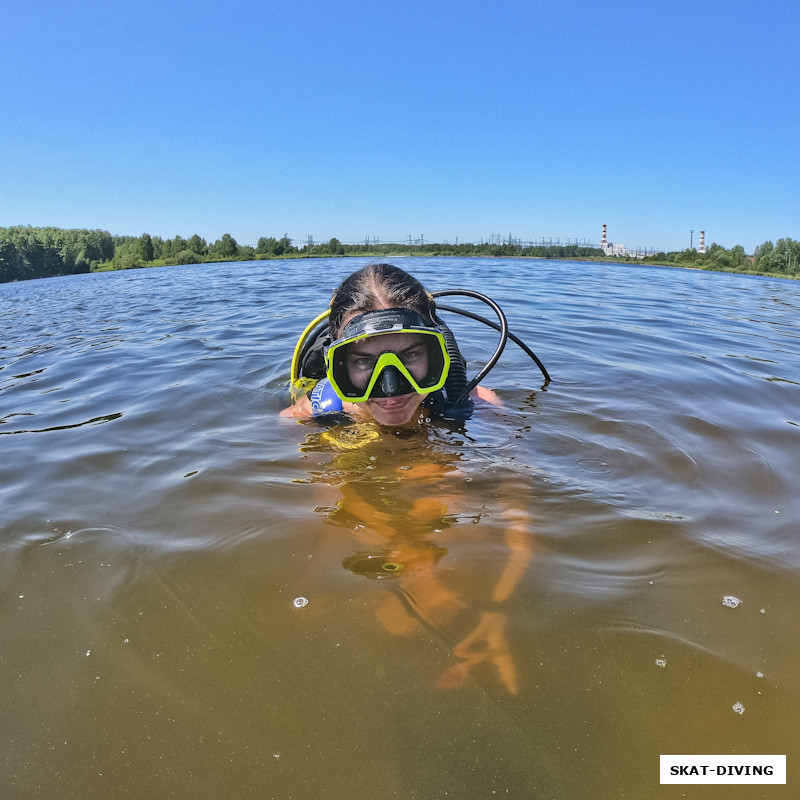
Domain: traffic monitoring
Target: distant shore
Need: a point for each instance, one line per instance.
(27, 252)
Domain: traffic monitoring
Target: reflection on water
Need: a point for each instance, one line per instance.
(535, 604)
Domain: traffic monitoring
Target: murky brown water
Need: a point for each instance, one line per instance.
(532, 606)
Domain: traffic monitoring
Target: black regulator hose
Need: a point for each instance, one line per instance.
(513, 337)
(500, 346)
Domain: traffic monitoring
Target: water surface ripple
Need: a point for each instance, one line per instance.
(535, 604)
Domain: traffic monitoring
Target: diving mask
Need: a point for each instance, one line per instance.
(387, 353)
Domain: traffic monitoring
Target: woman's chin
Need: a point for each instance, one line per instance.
(395, 410)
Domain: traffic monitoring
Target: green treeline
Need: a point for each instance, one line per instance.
(27, 252)
(150, 250)
(782, 258)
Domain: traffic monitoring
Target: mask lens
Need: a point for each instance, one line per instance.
(358, 365)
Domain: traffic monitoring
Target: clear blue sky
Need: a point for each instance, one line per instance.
(450, 120)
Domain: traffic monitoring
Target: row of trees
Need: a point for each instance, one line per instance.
(716, 257)
(27, 252)
(782, 258)
(146, 250)
(335, 247)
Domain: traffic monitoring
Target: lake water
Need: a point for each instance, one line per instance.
(536, 604)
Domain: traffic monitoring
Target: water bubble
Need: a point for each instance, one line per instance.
(300, 602)
(738, 708)
(729, 601)
(661, 662)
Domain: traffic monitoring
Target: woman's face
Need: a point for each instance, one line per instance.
(360, 360)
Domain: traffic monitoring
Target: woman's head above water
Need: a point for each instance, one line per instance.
(374, 287)
(388, 351)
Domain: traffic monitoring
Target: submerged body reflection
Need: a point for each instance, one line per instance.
(406, 501)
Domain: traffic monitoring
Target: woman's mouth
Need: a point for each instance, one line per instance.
(393, 403)
(394, 410)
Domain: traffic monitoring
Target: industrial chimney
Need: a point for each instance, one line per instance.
(702, 247)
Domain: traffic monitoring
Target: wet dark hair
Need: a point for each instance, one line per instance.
(375, 286)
